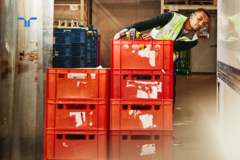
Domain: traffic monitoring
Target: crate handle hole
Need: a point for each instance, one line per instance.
(141, 107)
(92, 106)
(125, 106)
(61, 76)
(91, 136)
(76, 106)
(140, 137)
(157, 76)
(156, 137)
(75, 136)
(59, 136)
(125, 76)
(60, 106)
(142, 77)
(124, 137)
(157, 107)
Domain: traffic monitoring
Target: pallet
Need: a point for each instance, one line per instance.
(196, 2)
(179, 2)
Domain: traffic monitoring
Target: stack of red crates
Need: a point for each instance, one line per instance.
(76, 117)
(141, 97)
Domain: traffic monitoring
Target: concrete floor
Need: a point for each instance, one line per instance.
(195, 119)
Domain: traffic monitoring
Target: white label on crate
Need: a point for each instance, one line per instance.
(77, 76)
(146, 90)
(148, 54)
(135, 47)
(148, 149)
(79, 117)
(134, 112)
(146, 120)
(64, 145)
(79, 82)
(152, 58)
(93, 75)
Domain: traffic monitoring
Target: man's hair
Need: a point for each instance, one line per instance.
(205, 11)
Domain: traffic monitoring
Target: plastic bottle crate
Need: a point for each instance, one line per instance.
(95, 33)
(69, 114)
(142, 54)
(62, 62)
(143, 145)
(89, 56)
(141, 84)
(80, 62)
(141, 115)
(79, 36)
(79, 49)
(62, 50)
(90, 64)
(77, 83)
(80, 145)
(89, 43)
(63, 38)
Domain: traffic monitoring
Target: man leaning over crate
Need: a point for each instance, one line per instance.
(173, 26)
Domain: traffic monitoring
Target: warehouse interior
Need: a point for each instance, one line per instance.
(205, 117)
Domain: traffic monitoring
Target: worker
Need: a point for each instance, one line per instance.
(173, 26)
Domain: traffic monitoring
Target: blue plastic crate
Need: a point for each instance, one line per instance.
(63, 37)
(90, 64)
(95, 33)
(89, 56)
(89, 43)
(94, 54)
(62, 62)
(79, 62)
(79, 35)
(62, 50)
(79, 49)
(60, 30)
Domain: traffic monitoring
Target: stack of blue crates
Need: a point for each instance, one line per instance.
(75, 48)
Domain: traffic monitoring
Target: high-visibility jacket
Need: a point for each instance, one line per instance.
(172, 30)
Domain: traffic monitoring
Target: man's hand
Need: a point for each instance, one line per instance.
(118, 35)
(146, 37)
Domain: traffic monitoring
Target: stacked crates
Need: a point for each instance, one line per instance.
(75, 47)
(141, 85)
(76, 114)
(141, 103)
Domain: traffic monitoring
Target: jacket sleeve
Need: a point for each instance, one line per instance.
(159, 20)
(181, 45)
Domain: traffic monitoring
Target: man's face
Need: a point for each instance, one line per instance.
(198, 20)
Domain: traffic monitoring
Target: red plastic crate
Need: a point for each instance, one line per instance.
(80, 145)
(141, 115)
(75, 114)
(98, 52)
(142, 54)
(128, 85)
(78, 83)
(140, 145)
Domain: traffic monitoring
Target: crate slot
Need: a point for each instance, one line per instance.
(75, 136)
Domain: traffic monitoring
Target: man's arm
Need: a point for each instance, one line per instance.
(181, 45)
(160, 20)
